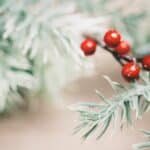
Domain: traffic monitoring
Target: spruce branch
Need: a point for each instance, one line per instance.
(43, 35)
(134, 98)
(46, 34)
(16, 77)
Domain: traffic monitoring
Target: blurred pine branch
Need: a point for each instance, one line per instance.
(47, 34)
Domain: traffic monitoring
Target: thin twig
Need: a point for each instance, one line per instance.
(118, 58)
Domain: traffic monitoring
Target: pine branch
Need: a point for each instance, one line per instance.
(16, 77)
(47, 34)
(134, 98)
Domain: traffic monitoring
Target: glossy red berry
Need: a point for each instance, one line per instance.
(122, 48)
(131, 71)
(88, 46)
(112, 38)
(146, 62)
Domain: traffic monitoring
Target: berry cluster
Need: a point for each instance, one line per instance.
(119, 48)
(112, 38)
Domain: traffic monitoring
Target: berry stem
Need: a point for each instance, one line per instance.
(118, 58)
(114, 54)
(121, 59)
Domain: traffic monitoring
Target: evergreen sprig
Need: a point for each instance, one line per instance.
(134, 98)
(38, 44)
(47, 33)
(16, 76)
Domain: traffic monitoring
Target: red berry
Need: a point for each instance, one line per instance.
(146, 62)
(88, 46)
(123, 48)
(131, 71)
(112, 38)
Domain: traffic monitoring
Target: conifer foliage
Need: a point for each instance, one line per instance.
(99, 117)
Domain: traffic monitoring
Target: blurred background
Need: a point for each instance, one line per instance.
(48, 123)
(48, 126)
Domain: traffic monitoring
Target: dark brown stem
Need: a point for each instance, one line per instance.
(114, 54)
(121, 59)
